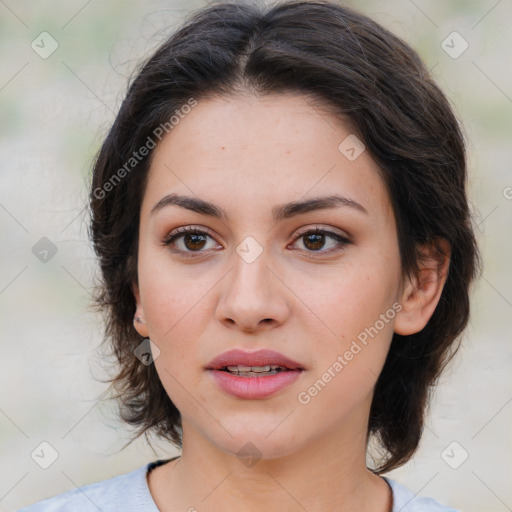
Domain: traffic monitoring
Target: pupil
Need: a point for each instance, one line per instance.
(319, 240)
(195, 237)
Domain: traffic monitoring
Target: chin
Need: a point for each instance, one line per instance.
(251, 442)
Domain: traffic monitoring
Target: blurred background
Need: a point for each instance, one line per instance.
(63, 75)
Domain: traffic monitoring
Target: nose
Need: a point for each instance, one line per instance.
(253, 296)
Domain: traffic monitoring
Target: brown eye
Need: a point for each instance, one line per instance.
(315, 239)
(192, 240)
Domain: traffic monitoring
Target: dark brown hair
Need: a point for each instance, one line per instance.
(362, 73)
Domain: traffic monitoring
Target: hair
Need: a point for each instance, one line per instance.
(362, 74)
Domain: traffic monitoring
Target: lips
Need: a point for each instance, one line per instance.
(259, 358)
(253, 375)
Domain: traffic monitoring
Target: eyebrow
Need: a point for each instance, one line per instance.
(280, 212)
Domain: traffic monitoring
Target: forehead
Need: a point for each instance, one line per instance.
(249, 152)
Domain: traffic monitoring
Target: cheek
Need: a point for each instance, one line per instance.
(174, 307)
(350, 299)
(172, 295)
(354, 322)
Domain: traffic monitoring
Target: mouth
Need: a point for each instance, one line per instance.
(255, 371)
(253, 375)
(253, 364)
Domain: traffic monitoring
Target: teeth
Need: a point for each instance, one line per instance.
(257, 369)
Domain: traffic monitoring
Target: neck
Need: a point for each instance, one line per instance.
(327, 475)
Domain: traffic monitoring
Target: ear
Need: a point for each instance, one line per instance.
(421, 293)
(139, 321)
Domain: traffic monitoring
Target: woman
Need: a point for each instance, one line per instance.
(280, 216)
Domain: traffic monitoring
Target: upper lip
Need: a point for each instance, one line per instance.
(259, 358)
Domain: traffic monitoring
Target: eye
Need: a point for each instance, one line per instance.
(193, 240)
(315, 239)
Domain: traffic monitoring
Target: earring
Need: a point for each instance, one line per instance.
(139, 320)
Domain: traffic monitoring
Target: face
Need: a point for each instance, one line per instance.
(256, 280)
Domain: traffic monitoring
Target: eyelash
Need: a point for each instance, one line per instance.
(180, 232)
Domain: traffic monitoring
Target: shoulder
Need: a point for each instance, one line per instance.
(125, 493)
(404, 500)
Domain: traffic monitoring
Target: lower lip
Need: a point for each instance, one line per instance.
(254, 387)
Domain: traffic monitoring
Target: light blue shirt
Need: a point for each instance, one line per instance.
(130, 493)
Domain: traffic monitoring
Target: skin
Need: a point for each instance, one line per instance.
(248, 154)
